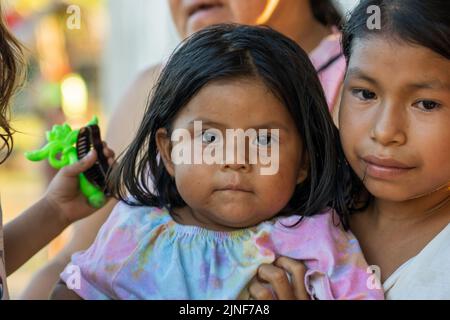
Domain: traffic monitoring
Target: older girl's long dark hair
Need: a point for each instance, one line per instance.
(10, 76)
(423, 23)
(228, 52)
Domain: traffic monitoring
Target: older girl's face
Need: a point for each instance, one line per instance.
(395, 118)
(192, 15)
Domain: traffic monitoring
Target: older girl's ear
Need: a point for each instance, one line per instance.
(164, 145)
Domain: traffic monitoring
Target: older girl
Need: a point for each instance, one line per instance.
(395, 131)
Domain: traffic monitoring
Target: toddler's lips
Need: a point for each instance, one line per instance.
(236, 188)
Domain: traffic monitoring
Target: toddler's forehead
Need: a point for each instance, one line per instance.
(244, 103)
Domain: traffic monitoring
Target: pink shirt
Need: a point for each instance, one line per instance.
(330, 63)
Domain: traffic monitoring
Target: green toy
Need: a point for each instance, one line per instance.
(61, 151)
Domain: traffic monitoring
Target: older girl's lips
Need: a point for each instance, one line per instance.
(385, 168)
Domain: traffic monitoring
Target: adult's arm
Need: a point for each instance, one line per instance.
(128, 115)
(61, 292)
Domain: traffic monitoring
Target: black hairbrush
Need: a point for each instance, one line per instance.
(89, 138)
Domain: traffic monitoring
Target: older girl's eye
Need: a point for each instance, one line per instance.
(209, 136)
(364, 94)
(427, 105)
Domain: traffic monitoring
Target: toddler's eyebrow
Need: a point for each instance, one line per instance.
(269, 125)
(206, 122)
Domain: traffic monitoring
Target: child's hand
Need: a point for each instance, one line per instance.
(272, 282)
(63, 194)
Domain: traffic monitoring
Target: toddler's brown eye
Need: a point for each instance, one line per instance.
(209, 137)
(264, 140)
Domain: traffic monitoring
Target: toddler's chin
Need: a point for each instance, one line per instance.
(241, 218)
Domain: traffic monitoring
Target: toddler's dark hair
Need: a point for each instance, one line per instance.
(231, 52)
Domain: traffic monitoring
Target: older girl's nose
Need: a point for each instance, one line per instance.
(390, 125)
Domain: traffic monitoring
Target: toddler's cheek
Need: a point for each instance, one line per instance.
(275, 195)
(192, 182)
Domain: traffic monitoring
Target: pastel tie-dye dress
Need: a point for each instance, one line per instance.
(142, 253)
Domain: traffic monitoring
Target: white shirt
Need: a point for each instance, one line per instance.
(425, 276)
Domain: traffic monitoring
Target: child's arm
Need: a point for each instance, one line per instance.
(61, 292)
(83, 235)
(31, 231)
(62, 204)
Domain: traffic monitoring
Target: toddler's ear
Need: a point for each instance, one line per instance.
(302, 175)
(164, 145)
(303, 171)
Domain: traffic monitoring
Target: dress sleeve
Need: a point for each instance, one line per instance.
(336, 267)
(90, 273)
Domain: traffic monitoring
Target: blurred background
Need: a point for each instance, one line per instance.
(82, 55)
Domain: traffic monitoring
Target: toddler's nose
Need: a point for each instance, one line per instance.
(237, 166)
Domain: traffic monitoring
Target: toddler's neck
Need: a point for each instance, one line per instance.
(187, 216)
